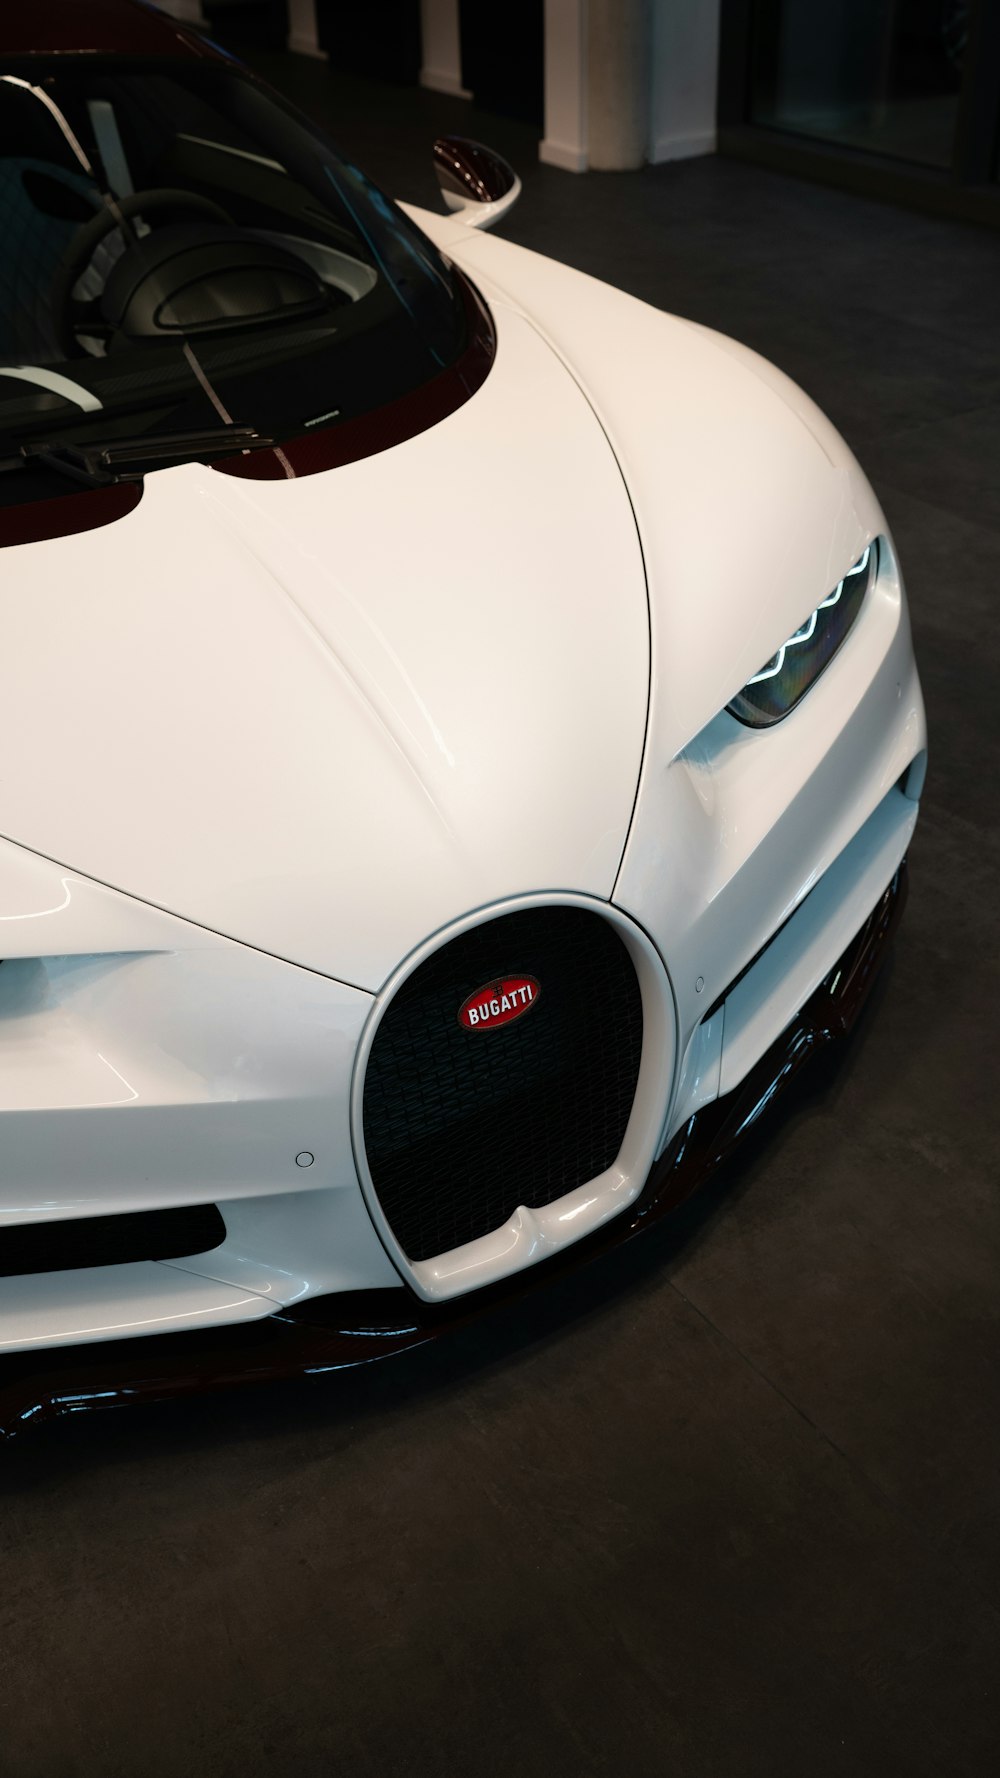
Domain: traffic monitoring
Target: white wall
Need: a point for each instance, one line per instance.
(442, 50)
(618, 95)
(302, 32)
(683, 56)
(565, 142)
(601, 115)
(684, 77)
(189, 10)
(302, 35)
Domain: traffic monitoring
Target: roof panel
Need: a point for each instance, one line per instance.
(95, 27)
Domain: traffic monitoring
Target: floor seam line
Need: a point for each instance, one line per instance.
(770, 1383)
(947, 1560)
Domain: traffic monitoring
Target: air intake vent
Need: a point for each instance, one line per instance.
(109, 1240)
(463, 1125)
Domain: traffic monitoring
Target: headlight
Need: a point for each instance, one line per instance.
(787, 676)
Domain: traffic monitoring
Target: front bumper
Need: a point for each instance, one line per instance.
(343, 1329)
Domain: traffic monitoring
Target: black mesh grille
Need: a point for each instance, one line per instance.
(461, 1127)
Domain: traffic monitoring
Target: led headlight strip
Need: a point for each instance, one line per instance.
(786, 677)
(808, 630)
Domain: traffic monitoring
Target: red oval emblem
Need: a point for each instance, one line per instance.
(498, 1002)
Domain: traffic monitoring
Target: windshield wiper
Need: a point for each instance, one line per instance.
(128, 459)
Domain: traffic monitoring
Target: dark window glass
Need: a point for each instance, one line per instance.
(179, 244)
(882, 75)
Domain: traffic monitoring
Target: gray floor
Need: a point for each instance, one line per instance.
(732, 1507)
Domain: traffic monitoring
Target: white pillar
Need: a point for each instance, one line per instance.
(618, 84)
(565, 141)
(441, 48)
(187, 10)
(303, 35)
(684, 78)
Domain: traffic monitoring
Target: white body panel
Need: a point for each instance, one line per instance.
(274, 697)
(807, 949)
(746, 518)
(115, 1303)
(474, 214)
(276, 742)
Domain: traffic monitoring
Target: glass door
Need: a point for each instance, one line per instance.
(881, 75)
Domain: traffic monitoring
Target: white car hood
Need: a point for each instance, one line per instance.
(749, 504)
(328, 716)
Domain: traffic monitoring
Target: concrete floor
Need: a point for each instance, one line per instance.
(731, 1507)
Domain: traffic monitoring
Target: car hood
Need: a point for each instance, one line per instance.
(749, 504)
(328, 716)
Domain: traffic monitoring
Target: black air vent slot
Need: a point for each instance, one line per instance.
(109, 1240)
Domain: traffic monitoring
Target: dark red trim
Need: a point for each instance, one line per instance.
(35, 521)
(96, 28)
(336, 1332)
(330, 447)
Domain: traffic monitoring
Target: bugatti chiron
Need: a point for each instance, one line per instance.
(460, 728)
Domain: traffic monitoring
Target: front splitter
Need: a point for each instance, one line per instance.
(337, 1332)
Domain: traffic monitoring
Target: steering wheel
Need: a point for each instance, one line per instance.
(71, 317)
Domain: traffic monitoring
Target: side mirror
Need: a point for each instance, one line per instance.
(475, 182)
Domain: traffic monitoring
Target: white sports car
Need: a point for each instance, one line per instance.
(460, 728)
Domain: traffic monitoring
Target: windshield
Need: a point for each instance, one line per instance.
(183, 252)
